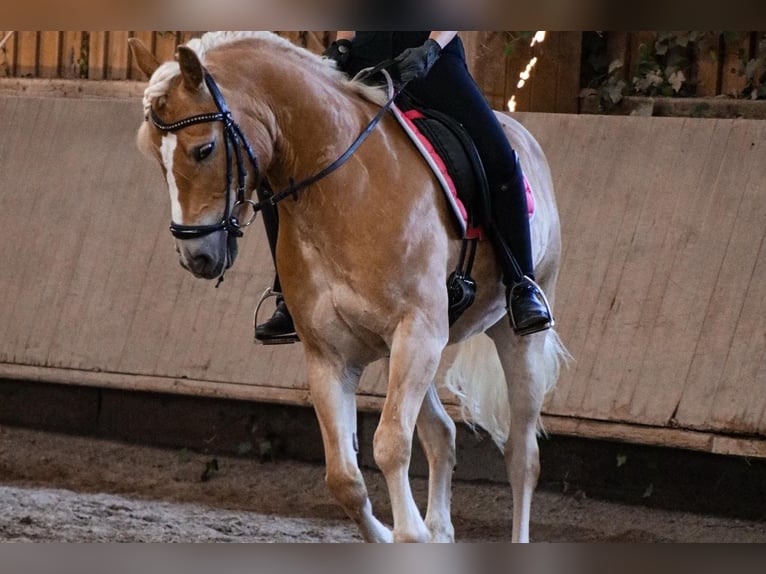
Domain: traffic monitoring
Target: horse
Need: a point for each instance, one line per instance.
(363, 254)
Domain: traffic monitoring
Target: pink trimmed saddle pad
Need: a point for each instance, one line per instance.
(442, 173)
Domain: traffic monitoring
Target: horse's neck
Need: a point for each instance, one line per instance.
(315, 122)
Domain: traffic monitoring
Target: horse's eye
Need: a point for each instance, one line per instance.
(204, 151)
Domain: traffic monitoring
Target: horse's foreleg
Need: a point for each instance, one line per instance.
(333, 395)
(521, 357)
(414, 358)
(436, 431)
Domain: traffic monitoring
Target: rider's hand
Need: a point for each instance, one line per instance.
(414, 63)
(339, 51)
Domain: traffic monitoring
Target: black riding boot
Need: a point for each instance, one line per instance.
(528, 308)
(527, 305)
(279, 328)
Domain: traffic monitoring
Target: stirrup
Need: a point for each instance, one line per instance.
(280, 340)
(525, 280)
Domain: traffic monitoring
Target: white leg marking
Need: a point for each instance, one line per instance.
(167, 150)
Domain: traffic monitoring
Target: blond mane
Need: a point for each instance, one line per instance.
(159, 83)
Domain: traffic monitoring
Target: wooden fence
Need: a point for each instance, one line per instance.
(81, 55)
(715, 68)
(554, 84)
(105, 55)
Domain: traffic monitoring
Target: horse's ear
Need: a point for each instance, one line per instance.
(145, 60)
(191, 68)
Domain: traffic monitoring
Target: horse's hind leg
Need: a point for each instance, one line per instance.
(436, 432)
(522, 361)
(333, 395)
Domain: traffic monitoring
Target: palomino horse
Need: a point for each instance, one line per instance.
(363, 255)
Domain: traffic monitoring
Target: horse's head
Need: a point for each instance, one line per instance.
(207, 174)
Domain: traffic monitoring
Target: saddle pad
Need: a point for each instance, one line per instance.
(441, 170)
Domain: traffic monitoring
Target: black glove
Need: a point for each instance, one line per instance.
(340, 52)
(414, 63)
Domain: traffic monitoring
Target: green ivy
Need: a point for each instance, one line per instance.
(664, 67)
(512, 40)
(754, 71)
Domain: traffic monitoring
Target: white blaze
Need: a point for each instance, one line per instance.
(167, 150)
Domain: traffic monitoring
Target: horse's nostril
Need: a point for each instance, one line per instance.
(202, 262)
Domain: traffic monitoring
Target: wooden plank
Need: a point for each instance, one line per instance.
(555, 79)
(72, 55)
(35, 87)
(26, 54)
(97, 55)
(184, 386)
(165, 44)
(117, 64)
(664, 437)
(6, 53)
(568, 73)
(515, 65)
(471, 46)
(618, 48)
(543, 82)
(317, 41)
(490, 68)
(50, 55)
(555, 82)
(734, 50)
(707, 67)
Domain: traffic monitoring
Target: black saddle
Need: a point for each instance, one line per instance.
(456, 148)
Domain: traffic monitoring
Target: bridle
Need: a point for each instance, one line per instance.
(235, 142)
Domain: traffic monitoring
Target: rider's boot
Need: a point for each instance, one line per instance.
(528, 308)
(279, 328)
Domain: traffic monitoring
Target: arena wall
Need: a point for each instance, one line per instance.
(661, 300)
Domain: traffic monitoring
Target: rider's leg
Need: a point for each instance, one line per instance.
(449, 88)
(528, 310)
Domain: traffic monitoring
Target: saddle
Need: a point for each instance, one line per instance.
(450, 152)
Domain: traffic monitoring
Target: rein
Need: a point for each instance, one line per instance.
(235, 140)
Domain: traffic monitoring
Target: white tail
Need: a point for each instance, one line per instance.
(477, 379)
